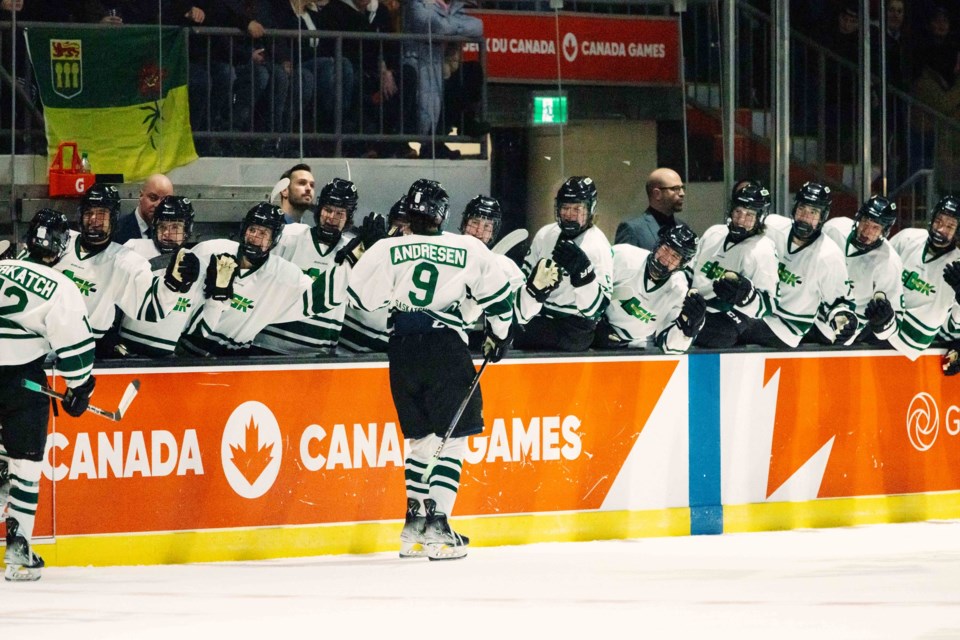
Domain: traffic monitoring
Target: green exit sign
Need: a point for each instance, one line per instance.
(549, 109)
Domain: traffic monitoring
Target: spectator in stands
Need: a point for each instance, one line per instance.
(118, 12)
(137, 223)
(665, 192)
(425, 58)
(840, 84)
(298, 198)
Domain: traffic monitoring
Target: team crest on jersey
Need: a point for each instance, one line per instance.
(66, 67)
(241, 304)
(183, 304)
(712, 270)
(913, 281)
(788, 277)
(634, 308)
(86, 287)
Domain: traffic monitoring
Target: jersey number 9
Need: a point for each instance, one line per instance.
(425, 277)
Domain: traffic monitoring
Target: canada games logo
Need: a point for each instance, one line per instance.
(251, 449)
(923, 421)
(570, 47)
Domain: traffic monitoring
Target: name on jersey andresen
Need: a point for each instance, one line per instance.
(453, 256)
(31, 280)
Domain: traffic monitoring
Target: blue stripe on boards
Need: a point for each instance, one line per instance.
(703, 392)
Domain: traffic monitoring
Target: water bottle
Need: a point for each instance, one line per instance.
(85, 163)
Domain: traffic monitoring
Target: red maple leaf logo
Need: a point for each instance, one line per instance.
(252, 458)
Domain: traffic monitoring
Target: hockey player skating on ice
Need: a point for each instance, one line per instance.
(423, 278)
(659, 311)
(46, 314)
(324, 253)
(735, 261)
(873, 267)
(812, 277)
(566, 316)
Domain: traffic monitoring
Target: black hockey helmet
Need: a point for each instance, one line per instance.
(47, 236)
(879, 210)
(427, 204)
(578, 189)
(484, 208)
(681, 239)
(338, 193)
(99, 196)
(818, 196)
(172, 209)
(265, 215)
(755, 197)
(948, 206)
(398, 220)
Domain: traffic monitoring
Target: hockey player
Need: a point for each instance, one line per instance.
(659, 310)
(111, 276)
(246, 288)
(366, 331)
(567, 316)
(172, 227)
(45, 313)
(812, 274)
(931, 280)
(735, 261)
(873, 267)
(423, 278)
(323, 253)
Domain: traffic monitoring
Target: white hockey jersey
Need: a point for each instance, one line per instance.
(754, 258)
(317, 334)
(41, 310)
(433, 274)
(648, 319)
(471, 311)
(928, 301)
(869, 272)
(587, 301)
(115, 277)
(275, 292)
(364, 331)
(812, 279)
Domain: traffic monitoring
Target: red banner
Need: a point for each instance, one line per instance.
(522, 47)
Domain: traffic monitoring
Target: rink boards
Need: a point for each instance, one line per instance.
(220, 463)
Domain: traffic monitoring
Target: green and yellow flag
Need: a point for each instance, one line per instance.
(120, 93)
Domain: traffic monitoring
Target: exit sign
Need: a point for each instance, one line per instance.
(550, 109)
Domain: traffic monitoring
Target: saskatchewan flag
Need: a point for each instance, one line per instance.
(120, 93)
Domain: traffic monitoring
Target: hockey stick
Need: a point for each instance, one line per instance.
(510, 240)
(4, 245)
(453, 423)
(282, 184)
(128, 395)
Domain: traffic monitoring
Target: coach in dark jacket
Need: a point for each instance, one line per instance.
(665, 192)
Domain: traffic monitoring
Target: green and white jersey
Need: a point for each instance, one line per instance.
(869, 272)
(115, 277)
(433, 274)
(317, 334)
(754, 258)
(41, 311)
(928, 301)
(587, 301)
(274, 292)
(812, 279)
(159, 338)
(648, 320)
(471, 311)
(364, 331)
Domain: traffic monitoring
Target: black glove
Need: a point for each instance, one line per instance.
(494, 348)
(182, 271)
(951, 274)
(734, 288)
(350, 252)
(604, 337)
(221, 272)
(879, 314)
(374, 228)
(77, 399)
(692, 314)
(951, 362)
(575, 262)
(844, 324)
(543, 279)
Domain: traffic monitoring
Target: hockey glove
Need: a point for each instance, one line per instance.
(350, 253)
(575, 262)
(374, 228)
(221, 272)
(879, 314)
(543, 280)
(494, 347)
(951, 275)
(951, 362)
(844, 324)
(182, 271)
(77, 399)
(606, 338)
(734, 288)
(692, 314)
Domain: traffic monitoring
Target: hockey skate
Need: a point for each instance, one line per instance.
(23, 565)
(411, 538)
(442, 542)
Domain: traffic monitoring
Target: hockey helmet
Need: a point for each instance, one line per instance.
(47, 236)
(947, 206)
(427, 204)
(576, 190)
(877, 209)
(754, 197)
(397, 219)
(682, 240)
(264, 215)
(98, 196)
(338, 193)
(811, 195)
(172, 209)
(483, 208)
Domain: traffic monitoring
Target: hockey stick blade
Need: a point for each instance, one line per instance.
(510, 240)
(282, 184)
(47, 391)
(128, 395)
(4, 245)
